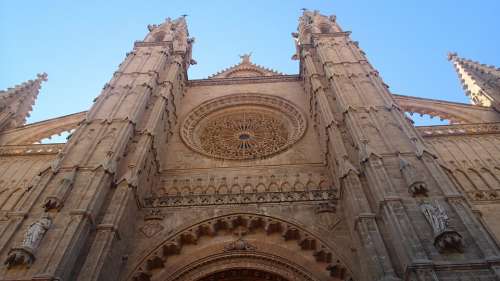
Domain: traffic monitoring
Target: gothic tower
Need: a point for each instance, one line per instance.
(252, 174)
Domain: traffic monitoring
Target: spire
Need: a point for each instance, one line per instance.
(480, 82)
(16, 103)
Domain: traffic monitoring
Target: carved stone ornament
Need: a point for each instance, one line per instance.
(445, 238)
(413, 179)
(239, 245)
(152, 224)
(25, 252)
(325, 207)
(243, 127)
(151, 228)
(56, 200)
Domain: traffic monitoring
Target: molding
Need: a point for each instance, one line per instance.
(244, 80)
(241, 198)
(27, 150)
(459, 129)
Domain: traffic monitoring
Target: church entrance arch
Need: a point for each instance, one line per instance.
(244, 243)
(243, 267)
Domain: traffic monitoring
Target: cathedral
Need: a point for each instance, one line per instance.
(251, 174)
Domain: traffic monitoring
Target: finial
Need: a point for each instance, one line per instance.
(303, 9)
(184, 15)
(452, 55)
(42, 76)
(152, 27)
(245, 58)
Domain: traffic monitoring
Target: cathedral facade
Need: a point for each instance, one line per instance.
(252, 174)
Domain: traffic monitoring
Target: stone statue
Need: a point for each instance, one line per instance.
(436, 216)
(36, 231)
(445, 238)
(25, 253)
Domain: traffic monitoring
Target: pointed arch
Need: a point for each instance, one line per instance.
(313, 249)
(463, 181)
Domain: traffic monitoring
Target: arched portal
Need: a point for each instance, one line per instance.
(239, 242)
(241, 266)
(243, 274)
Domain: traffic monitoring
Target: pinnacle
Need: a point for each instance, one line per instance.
(452, 55)
(42, 76)
(478, 80)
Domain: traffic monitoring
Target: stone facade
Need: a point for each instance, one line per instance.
(252, 174)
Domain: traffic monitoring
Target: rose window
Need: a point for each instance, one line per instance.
(243, 131)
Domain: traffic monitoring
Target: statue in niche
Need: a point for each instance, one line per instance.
(25, 252)
(445, 238)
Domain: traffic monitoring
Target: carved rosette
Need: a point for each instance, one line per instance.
(243, 127)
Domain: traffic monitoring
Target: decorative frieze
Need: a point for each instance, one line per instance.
(35, 149)
(245, 198)
(459, 129)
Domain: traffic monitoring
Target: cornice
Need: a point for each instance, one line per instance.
(460, 129)
(244, 80)
(33, 149)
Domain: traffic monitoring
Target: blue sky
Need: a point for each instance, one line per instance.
(80, 43)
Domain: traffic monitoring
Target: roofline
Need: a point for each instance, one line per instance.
(244, 80)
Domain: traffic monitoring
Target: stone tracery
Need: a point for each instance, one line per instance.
(244, 135)
(243, 126)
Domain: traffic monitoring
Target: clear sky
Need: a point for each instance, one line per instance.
(80, 43)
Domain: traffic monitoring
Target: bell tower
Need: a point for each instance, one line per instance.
(408, 219)
(89, 189)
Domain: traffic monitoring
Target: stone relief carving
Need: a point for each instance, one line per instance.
(445, 238)
(152, 222)
(326, 214)
(246, 198)
(240, 225)
(25, 252)
(240, 244)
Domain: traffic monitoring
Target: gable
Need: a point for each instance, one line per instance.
(245, 69)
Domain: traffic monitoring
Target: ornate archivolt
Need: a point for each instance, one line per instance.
(155, 264)
(243, 127)
(250, 266)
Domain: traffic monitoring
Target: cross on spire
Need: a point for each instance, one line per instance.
(245, 58)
